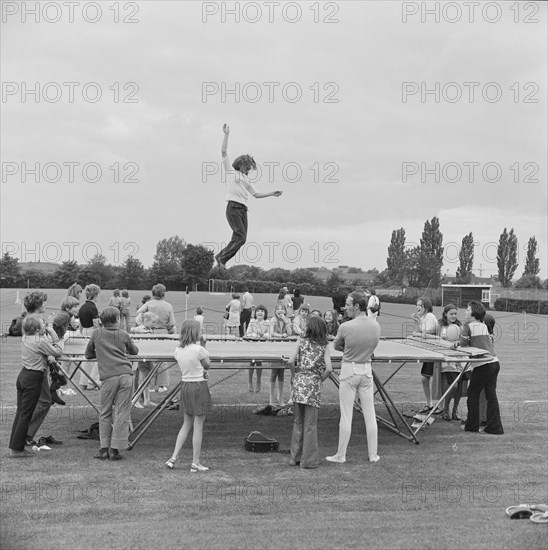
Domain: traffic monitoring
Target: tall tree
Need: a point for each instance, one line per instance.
(167, 265)
(532, 263)
(132, 274)
(466, 260)
(67, 273)
(10, 271)
(412, 266)
(196, 263)
(507, 257)
(395, 263)
(278, 274)
(334, 281)
(98, 272)
(431, 254)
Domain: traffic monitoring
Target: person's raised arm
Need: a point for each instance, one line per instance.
(269, 194)
(224, 147)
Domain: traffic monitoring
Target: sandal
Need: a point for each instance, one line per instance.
(455, 416)
(198, 468)
(171, 463)
(446, 417)
(526, 511)
(426, 410)
(539, 517)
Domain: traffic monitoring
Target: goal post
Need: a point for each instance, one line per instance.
(217, 286)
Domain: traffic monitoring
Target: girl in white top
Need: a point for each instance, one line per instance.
(258, 329)
(193, 361)
(233, 308)
(280, 327)
(426, 326)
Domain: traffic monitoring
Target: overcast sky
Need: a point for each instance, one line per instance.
(325, 91)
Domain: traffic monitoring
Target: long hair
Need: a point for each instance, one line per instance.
(444, 322)
(190, 333)
(279, 323)
(316, 331)
(333, 326)
(426, 304)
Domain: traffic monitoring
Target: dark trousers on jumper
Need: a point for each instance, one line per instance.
(236, 215)
(29, 386)
(42, 407)
(245, 318)
(484, 377)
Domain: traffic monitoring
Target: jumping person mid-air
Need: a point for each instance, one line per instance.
(238, 189)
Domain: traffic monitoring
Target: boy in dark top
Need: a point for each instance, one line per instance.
(110, 345)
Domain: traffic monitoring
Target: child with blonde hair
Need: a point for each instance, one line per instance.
(193, 360)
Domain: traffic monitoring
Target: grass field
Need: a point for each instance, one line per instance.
(448, 492)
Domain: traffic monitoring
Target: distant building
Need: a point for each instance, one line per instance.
(460, 295)
(44, 267)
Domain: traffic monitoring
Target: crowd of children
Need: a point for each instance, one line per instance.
(118, 379)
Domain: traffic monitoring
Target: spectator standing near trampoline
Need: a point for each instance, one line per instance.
(247, 308)
(164, 325)
(238, 190)
(357, 339)
(426, 326)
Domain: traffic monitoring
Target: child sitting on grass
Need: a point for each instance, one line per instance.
(193, 361)
(110, 345)
(38, 342)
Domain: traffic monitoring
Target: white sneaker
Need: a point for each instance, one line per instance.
(138, 405)
(162, 389)
(336, 459)
(374, 458)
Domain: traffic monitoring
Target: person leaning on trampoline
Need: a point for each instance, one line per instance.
(357, 339)
(238, 189)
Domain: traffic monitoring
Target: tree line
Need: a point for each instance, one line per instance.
(179, 265)
(421, 266)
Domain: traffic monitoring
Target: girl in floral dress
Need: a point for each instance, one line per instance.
(310, 365)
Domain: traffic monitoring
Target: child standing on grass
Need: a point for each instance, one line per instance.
(193, 360)
(258, 329)
(449, 328)
(280, 327)
(310, 365)
(125, 304)
(144, 367)
(60, 324)
(110, 345)
(38, 342)
(478, 333)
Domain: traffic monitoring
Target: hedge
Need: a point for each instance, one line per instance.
(529, 306)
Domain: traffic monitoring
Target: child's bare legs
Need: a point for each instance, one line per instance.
(183, 434)
(259, 373)
(273, 378)
(276, 374)
(427, 391)
(197, 438)
(250, 381)
(281, 386)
